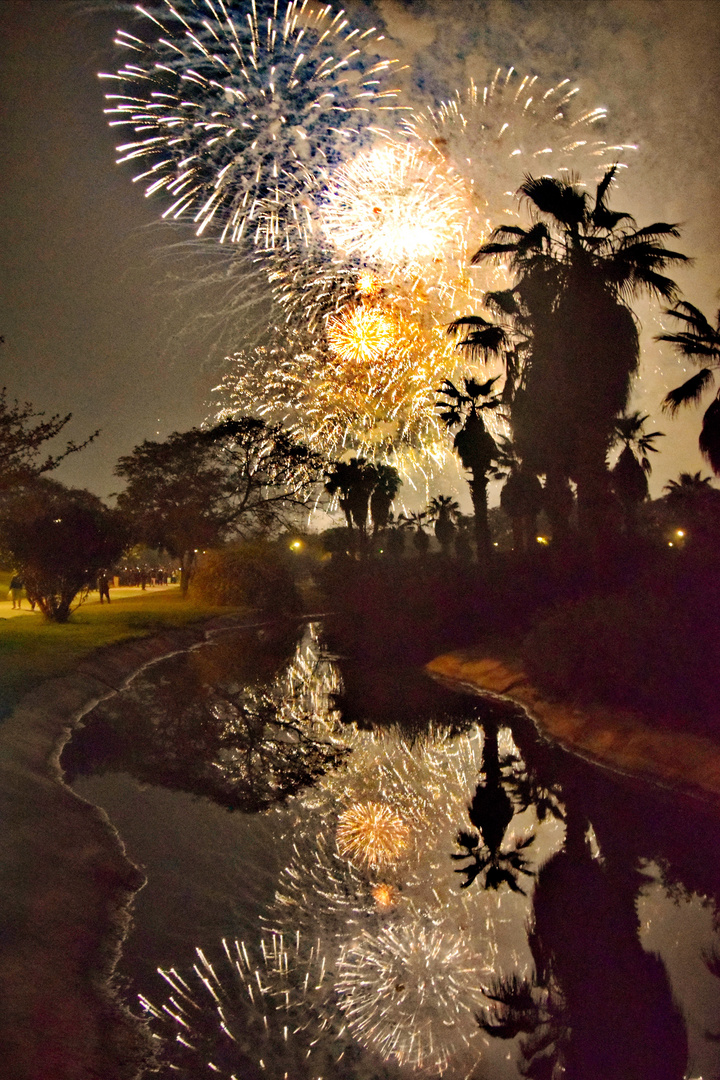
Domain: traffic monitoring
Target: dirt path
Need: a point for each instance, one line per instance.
(618, 739)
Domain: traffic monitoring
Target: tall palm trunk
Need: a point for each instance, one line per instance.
(478, 493)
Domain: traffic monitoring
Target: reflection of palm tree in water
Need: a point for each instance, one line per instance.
(599, 1007)
(491, 812)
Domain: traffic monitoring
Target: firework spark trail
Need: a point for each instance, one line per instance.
(492, 136)
(238, 117)
(270, 1006)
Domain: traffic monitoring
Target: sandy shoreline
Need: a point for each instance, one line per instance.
(614, 738)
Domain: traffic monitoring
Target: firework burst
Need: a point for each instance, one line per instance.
(395, 210)
(411, 994)
(493, 135)
(372, 834)
(236, 117)
(369, 384)
(266, 1011)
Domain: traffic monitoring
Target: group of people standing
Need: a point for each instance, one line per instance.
(17, 587)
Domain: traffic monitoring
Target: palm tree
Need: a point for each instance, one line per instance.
(387, 485)
(416, 522)
(443, 510)
(630, 472)
(693, 506)
(491, 811)
(474, 445)
(353, 482)
(571, 336)
(700, 342)
(521, 496)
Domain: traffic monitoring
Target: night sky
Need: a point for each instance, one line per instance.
(94, 322)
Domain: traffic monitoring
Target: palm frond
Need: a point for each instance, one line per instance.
(604, 186)
(474, 389)
(690, 392)
(502, 302)
(692, 345)
(657, 231)
(467, 320)
(709, 441)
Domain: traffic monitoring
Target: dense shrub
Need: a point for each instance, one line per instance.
(253, 574)
(658, 652)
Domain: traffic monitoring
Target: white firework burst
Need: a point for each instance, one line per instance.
(398, 210)
(237, 113)
(259, 1011)
(411, 993)
(493, 135)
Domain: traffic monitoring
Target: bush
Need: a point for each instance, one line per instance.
(253, 574)
(656, 653)
(59, 539)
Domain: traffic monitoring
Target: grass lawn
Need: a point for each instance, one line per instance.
(32, 649)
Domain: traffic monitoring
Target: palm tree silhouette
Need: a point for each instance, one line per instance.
(570, 335)
(416, 521)
(491, 811)
(354, 482)
(699, 340)
(443, 510)
(474, 445)
(521, 496)
(387, 485)
(630, 472)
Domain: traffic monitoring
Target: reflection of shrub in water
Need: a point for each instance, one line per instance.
(244, 747)
(266, 1012)
(252, 575)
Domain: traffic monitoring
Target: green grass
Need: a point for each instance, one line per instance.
(32, 650)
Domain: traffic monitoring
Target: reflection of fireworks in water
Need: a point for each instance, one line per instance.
(238, 117)
(267, 1012)
(357, 965)
(493, 135)
(412, 993)
(372, 834)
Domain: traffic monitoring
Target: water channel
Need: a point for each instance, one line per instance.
(362, 874)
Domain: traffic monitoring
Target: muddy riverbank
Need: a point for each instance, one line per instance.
(67, 884)
(617, 739)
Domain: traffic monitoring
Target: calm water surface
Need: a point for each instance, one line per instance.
(356, 874)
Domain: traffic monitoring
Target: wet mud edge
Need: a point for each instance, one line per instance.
(616, 739)
(66, 882)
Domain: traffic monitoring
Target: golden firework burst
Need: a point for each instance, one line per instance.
(361, 334)
(385, 896)
(372, 833)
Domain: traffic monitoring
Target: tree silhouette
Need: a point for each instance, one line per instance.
(699, 340)
(571, 337)
(491, 812)
(23, 435)
(417, 521)
(442, 510)
(630, 472)
(521, 496)
(59, 539)
(387, 485)
(474, 446)
(200, 486)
